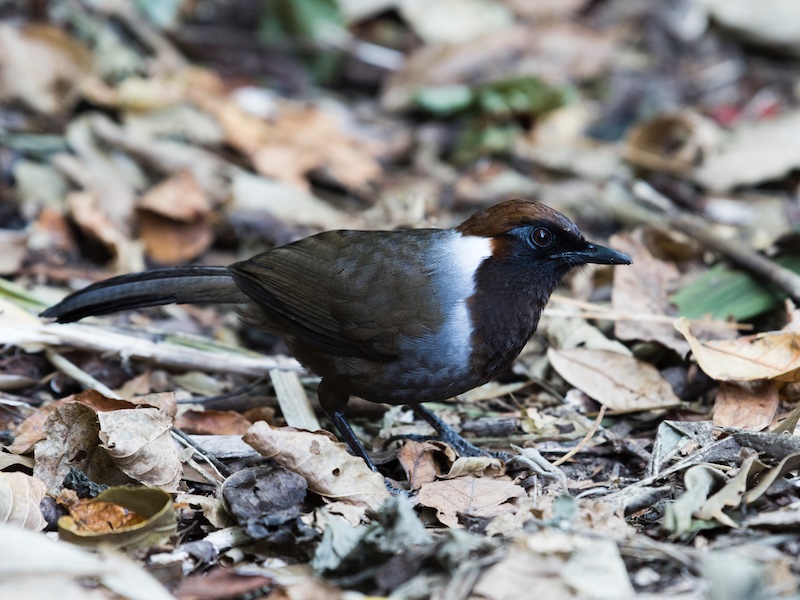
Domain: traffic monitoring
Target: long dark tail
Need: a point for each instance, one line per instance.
(182, 285)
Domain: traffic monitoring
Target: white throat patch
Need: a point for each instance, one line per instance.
(464, 254)
(468, 252)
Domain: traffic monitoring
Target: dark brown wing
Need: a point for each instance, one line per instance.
(349, 293)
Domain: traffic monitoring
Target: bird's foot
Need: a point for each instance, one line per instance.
(394, 490)
(448, 435)
(466, 448)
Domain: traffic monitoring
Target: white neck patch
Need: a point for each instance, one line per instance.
(467, 254)
(460, 259)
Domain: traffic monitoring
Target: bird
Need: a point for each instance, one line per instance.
(401, 317)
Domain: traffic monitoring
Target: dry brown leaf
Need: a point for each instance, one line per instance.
(93, 167)
(20, 495)
(224, 582)
(31, 430)
(174, 242)
(674, 143)
(212, 422)
(772, 355)
(89, 214)
(422, 460)
(753, 153)
(603, 518)
(179, 198)
(91, 515)
(51, 232)
(643, 288)
(745, 405)
(71, 441)
(572, 332)
(15, 249)
(294, 142)
(597, 570)
(175, 220)
(286, 202)
(140, 442)
(322, 461)
(129, 517)
(43, 67)
(166, 401)
(470, 496)
(476, 466)
(622, 383)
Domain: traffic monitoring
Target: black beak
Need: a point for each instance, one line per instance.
(594, 253)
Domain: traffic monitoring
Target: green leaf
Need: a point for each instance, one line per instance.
(500, 100)
(724, 292)
(20, 296)
(529, 96)
(443, 101)
(283, 20)
(477, 140)
(294, 23)
(154, 507)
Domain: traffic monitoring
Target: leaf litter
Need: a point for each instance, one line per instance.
(658, 455)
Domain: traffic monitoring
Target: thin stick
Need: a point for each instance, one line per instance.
(589, 435)
(596, 311)
(738, 253)
(96, 339)
(221, 469)
(72, 370)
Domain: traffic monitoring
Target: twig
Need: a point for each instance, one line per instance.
(148, 36)
(589, 435)
(221, 470)
(695, 227)
(596, 311)
(240, 391)
(79, 375)
(97, 339)
(293, 400)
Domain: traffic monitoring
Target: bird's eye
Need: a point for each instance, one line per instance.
(542, 237)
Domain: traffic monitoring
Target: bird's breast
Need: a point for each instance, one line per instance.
(434, 326)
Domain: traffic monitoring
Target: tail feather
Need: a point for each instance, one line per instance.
(180, 285)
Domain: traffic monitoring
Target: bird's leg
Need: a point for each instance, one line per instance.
(333, 402)
(448, 434)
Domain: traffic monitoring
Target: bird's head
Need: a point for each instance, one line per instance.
(528, 234)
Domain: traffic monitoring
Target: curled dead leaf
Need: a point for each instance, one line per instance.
(476, 466)
(673, 143)
(20, 495)
(121, 517)
(772, 355)
(322, 461)
(422, 461)
(175, 221)
(140, 443)
(643, 288)
(622, 383)
(746, 405)
(31, 430)
(42, 66)
(70, 441)
(476, 497)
